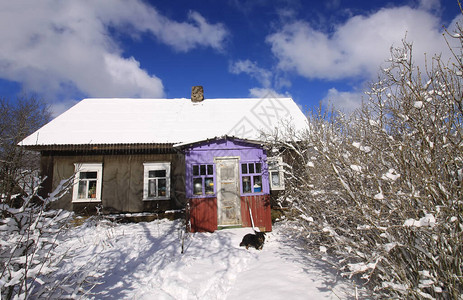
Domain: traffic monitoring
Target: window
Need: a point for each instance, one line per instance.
(156, 181)
(251, 177)
(203, 180)
(87, 182)
(276, 173)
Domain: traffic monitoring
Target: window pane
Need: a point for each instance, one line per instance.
(272, 165)
(82, 193)
(198, 186)
(210, 170)
(152, 188)
(257, 184)
(258, 168)
(162, 187)
(195, 170)
(157, 173)
(92, 189)
(209, 185)
(156, 180)
(247, 184)
(203, 169)
(275, 177)
(244, 169)
(88, 175)
(251, 168)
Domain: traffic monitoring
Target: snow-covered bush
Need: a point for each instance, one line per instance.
(379, 193)
(28, 237)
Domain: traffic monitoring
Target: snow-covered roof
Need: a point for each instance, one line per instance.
(157, 121)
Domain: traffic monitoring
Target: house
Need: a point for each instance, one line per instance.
(153, 155)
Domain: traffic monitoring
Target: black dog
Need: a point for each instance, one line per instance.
(255, 240)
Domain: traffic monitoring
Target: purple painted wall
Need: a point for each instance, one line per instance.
(203, 154)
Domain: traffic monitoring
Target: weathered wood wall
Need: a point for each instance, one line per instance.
(261, 211)
(203, 214)
(122, 186)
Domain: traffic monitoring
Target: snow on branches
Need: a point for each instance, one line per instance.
(380, 191)
(28, 237)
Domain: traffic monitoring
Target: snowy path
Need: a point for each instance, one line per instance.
(284, 274)
(143, 261)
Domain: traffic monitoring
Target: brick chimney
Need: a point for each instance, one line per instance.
(197, 93)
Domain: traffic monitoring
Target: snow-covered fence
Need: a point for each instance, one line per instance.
(379, 193)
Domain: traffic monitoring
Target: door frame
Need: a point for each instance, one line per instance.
(217, 160)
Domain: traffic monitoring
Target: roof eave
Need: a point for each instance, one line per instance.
(189, 143)
(98, 147)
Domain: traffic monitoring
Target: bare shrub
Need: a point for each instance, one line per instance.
(379, 193)
(29, 235)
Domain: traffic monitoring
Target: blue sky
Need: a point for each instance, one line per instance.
(312, 51)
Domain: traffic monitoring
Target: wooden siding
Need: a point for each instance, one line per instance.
(202, 214)
(261, 213)
(206, 152)
(122, 186)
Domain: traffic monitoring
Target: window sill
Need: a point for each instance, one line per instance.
(156, 199)
(277, 188)
(85, 200)
(253, 194)
(204, 196)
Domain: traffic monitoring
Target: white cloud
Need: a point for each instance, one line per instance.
(430, 4)
(456, 23)
(127, 78)
(359, 46)
(263, 76)
(267, 80)
(347, 102)
(267, 93)
(182, 36)
(58, 108)
(53, 46)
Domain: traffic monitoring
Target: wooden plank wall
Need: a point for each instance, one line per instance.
(261, 213)
(203, 214)
(122, 186)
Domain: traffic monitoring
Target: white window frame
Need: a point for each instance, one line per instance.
(87, 167)
(280, 170)
(155, 166)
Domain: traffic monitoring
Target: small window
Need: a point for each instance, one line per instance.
(251, 178)
(209, 185)
(195, 170)
(87, 182)
(210, 170)
(251, 168)
(198, 186)
(276, 173)
(247, 184)
(244, 168)
(257, 187)
(203, 180)
(156, 181)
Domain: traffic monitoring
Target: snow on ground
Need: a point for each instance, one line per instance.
(144, 261)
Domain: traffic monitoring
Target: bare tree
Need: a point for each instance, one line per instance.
(18, 119)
